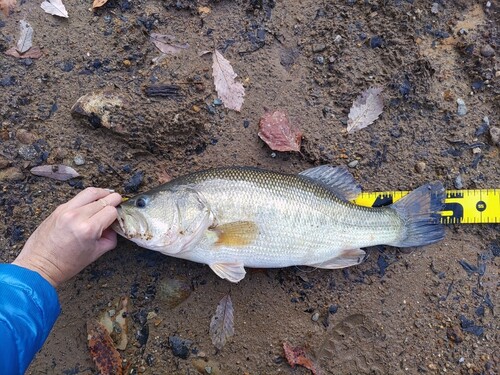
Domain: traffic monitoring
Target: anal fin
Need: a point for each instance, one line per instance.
(233, 272)
(346, 258)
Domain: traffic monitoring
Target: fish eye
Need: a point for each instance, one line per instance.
(140, 203)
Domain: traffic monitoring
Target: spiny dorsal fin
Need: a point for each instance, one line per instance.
(336, 179)
(238, 233)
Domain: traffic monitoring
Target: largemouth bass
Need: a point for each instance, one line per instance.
(231, 218)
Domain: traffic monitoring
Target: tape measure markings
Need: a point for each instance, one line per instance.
(461, 206)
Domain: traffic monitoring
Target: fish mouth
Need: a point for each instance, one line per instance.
(130, 226)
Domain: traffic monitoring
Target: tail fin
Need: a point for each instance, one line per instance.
(420, 213)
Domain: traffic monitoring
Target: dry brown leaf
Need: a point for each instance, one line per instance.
(280, 135)
(365, 110)
(32, 53)
(24, 42)
(7, 6)
(222, 323)
(103, 352)
(56, 172)
(98, 3)
(229, 91)
(297, 356)
(166, 44)
(54, 7)
(204, 10)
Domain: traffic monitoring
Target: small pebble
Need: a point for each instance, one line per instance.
(246, 123)
(127, 63)
(27, 152)
(196, 108)
(458, 182)
(495, 135)
(217, 102)
(476, 150)
(376, 42)
(420, 167)
(79, 160)
(11, 174)
(316, 48)
(487, 51)
(337, 39)
(320, 60)
(435, 8)
(315, 316)
(353, 164)
(461, 107)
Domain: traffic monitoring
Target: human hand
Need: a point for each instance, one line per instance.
(72, 237)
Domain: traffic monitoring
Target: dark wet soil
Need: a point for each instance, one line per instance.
(413, 311)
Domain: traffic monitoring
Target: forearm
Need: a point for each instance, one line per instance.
(29, 308)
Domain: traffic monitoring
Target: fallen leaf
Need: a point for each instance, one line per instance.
(204, 10)
(297, 356)
(115, 320)
(98, 3)
(54, 7)
(166, 45)
(32, 53)
(25, 39)
(7, 6)
(222, 324)
(229, 91)
(56, 172)
(103, 352)
(163, 177)
(280, 135)
(365, 110)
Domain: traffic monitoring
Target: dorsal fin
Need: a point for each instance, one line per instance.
(336, 179)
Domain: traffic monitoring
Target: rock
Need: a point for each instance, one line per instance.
(315, 316)
(454, 334)
(319, 47)
(376, 42)
(435, 8)
(132, 185)
(79, 160)
(420, 167)
(174, 291)
(461, 107)
(4, 163)
(320, 60)
(11, 174)
(180, 347)
(458, 182)
(495, 135)
(487, 51)
(28, 152)
(353, 164)
(25, 137)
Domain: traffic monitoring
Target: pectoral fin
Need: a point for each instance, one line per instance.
(238, 233)
(346, 258)
(233, 272)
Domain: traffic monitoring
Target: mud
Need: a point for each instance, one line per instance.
(402, 311)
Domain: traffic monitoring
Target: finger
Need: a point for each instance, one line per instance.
(87, 196)
(104, 218)
(106, 242)
(91, 209)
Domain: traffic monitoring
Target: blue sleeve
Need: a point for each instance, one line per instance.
(29, 308)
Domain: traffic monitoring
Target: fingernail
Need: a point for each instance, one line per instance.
(110, 190)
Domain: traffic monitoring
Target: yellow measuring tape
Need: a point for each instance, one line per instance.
(461, 206)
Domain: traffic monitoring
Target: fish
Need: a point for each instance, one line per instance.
(235, 217)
